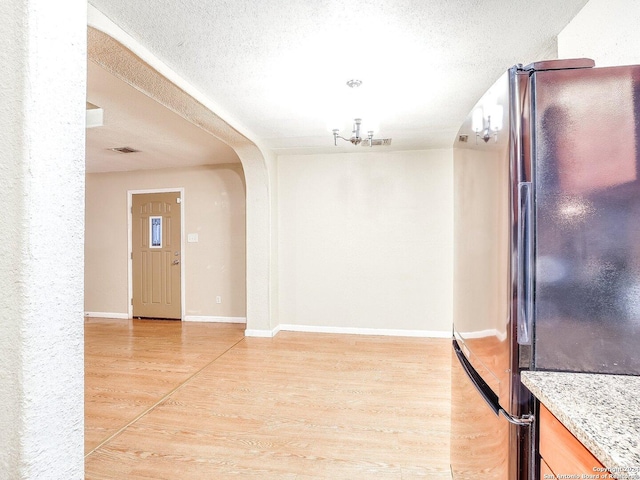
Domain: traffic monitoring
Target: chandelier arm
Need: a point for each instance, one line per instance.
(336, 137)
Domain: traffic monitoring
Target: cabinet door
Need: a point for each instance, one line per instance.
(545, 471)
(562, 452)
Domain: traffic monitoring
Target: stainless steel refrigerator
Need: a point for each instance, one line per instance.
(547, 250)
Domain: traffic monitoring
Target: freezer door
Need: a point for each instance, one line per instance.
(479, 437)
(585, 131)
(476, 413)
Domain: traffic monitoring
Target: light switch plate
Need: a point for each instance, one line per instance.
(192, 238)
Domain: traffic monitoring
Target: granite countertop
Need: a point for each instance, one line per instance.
(602, 411)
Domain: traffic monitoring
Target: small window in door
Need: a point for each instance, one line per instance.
(155, 232)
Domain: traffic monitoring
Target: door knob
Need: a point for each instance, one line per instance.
(175, 262)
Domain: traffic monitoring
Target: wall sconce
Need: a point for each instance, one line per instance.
(356, 139)
(490, 127)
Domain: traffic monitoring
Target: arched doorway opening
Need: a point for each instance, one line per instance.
(116, 58)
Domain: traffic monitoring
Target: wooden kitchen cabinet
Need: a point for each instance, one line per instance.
(545, 471)
(562, 454)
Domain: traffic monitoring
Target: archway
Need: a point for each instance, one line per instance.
(117, 58)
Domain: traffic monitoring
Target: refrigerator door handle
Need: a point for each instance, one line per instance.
(525, 264)
(523, 421)
(485, 391)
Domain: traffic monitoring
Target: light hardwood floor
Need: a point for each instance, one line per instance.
(169, 400)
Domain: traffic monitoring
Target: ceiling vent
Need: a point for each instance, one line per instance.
(376, 142)
(124, 150)
(463, 138)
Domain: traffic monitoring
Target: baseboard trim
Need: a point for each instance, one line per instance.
(347, 331)
(120, 316)
(251, 332)
(365, 331)
(214, 319)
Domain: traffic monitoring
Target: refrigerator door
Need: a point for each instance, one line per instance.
(486, 389)
(587, 219)
(481, 272)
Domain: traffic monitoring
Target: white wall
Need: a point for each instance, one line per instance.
(213, 207)
(42, 130)
(606, 31)
(365, 241)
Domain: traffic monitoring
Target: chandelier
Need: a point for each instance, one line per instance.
(487, 124)
(356, 139)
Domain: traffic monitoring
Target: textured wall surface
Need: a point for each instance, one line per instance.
(366, 240)
(604, 30)
(42, 117)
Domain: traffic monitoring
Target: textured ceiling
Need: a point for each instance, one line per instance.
(281, 67)
(131, 119)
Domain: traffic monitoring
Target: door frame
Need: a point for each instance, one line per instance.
(130, 194)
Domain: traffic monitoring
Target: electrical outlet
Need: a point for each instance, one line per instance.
(218, 299)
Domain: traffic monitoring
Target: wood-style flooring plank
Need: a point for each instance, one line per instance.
(298, 406)
(130, 365)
